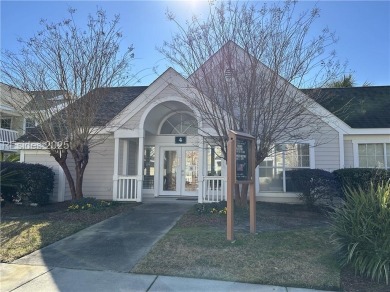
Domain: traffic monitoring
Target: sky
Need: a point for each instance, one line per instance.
(363, 29)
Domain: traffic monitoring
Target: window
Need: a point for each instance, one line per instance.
(374, 155)
(6, 123)
(149, 157)
(214, 161)
(283, 157)
(181, 123)
(30, 123)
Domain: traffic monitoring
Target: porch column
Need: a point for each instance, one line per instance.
(201, 156)
(115, 176)
(140, 166)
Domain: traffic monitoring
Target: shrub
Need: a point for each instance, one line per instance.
(211, 208)
(91, 204)
(361, 230)
(31, 182)
(317, 187)
(361, 177)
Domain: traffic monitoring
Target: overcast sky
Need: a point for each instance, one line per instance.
(363, 28)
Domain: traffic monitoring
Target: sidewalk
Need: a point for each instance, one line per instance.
(28, 278)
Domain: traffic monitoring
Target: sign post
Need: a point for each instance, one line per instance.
(241, 170)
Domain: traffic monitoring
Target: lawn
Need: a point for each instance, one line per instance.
(292, 248)
(25, 229)
(298, 255)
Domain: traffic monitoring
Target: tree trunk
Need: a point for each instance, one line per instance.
(61, 159)
(81, 158)
(241, 196)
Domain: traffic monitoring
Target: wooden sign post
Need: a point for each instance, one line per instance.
(241, 170)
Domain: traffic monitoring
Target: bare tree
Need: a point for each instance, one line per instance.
(78, 63)
(246, 62)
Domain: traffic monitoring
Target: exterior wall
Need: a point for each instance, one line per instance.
(327, 149)
(351, 149)
(99, 171)
(97, 176)
(42, 157)
(348, 154)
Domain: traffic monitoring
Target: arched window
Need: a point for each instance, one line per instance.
(179, 123)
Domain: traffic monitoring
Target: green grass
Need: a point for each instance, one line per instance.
(27, 229)
(297, 258)
(22, 237)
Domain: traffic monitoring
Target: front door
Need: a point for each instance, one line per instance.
(179, 171)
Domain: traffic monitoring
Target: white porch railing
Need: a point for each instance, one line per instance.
(127, 188)
(213, 189)
(6, 139)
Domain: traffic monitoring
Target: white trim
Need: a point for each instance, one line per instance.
(165, 99)
(371, 140)
(115, 175)
(125, 155)
(341, 148)
(144, 98)
(22, 157)
(170, 115)
(140, 167)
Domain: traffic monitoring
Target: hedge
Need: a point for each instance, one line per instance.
(356, 178)
(31, 182)
(317, 187)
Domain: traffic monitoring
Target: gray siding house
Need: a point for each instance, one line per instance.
(156, 145)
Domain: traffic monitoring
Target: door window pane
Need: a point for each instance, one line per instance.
(149, 157)
(170, 170)
(191, 170)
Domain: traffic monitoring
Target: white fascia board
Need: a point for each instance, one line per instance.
(366, 131)
(125, 133)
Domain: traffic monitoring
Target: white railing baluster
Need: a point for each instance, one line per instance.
(213, 189)
(127, 188)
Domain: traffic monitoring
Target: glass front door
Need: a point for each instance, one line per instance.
(179, 175)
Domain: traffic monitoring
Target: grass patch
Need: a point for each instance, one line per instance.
(25, 229)
(296, 257)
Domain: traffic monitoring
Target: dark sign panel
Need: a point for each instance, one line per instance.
(180, 140)
(242, 160)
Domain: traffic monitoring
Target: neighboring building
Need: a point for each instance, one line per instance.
(13, 123)
(155, 146)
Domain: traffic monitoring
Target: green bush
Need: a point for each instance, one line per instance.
(316, 187)
(361, 230)
(31, 182)
(361, 177)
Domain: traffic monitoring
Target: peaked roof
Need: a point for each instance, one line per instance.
(45, 99)
(114, 100)
(359, 107)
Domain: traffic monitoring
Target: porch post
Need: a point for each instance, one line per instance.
(115, 176)
(140, 166)
(201, 155)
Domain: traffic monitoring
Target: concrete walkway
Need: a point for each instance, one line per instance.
(99, 258)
